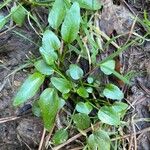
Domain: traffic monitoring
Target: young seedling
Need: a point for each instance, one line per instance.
(69, 23)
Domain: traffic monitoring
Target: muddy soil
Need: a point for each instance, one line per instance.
(25, 132)
(20, 133)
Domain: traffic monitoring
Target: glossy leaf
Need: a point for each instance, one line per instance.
(57, 14)
(36, 109)
(18, 14)
(99, 140)
(90, 80)
(71, 24)
(60, 136)
(2, 21)
(120, 108)
(81, 91)
(107, 66)
(66, 96)
(50, 41)
(85, 108)
(89, 89)
(89, 4)
(49, 55)
(82, 121)
(43, 68)
(49, 105)
(61, 103)
(28, 88)
(41, 2)
(113, 92)
(108, 115)
(61, 84)
(75, 71)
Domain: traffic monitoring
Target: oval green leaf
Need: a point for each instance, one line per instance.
(90, 80)
(120, 108)
(85, 108)
(89, 4)
(49, 55)
(89, 89)
(66, 96)
(107, 115)
(50, 41)
(61, 103)
(36, 109)
(57, 14)
(28, 88)
(107, 66)
(113, 92)
(71, 24)
(81, 91)
(18, 14)
(49, 105)
(63, 85)
(99, 140)
(75, 71)
(60, 136)
(43, 68)
(82, 121)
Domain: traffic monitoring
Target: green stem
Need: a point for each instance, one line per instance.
(59, 73)
(4, 4)
(70, 120)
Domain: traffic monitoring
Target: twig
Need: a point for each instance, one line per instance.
(78, 59)
(128, 135)
(130, 143)
(88, 53)
(26, 145)
(129, 7)
(8, 29)
(49, 136)
(77, 148)
(101, 33)
(3, 84)
(3, 120)
(28, 17)
(131, 30)
(134, 134)
(147, 91)
(42, 139)
(61, 48)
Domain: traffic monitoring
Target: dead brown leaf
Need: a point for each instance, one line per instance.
(115, 18)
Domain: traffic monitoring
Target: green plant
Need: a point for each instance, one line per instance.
(70, 32)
